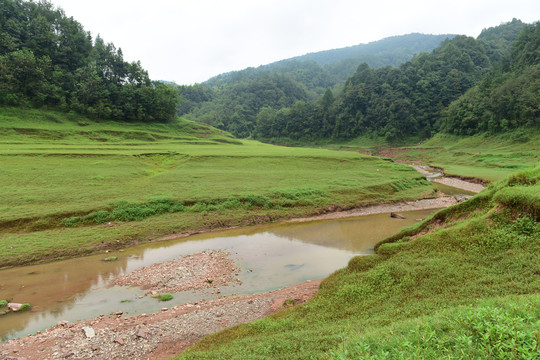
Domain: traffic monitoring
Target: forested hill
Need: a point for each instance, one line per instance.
(232, 101)
(506, 99)
(338, 64)
(430, 90)
(412, 100)
(48, 60)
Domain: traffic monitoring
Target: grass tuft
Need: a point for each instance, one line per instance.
(163, 297)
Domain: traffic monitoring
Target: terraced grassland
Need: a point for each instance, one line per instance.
(71, 186)
(487, 157)
(463, 284)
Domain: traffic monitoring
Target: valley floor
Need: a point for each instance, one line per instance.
(170, 331)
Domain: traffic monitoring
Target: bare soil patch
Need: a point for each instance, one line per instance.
(460, 184)
(469, 184)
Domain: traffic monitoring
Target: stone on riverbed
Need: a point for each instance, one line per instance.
(89, 332)
(396, 216)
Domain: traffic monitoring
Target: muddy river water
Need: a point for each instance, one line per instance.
(270, 256)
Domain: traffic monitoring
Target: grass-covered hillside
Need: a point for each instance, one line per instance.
(489, 157)
(71, 186)
(463, 284)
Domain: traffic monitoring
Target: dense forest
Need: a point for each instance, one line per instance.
(227, 101)
(507, 98)
(49, 60)
(463, 86)
(392, 102)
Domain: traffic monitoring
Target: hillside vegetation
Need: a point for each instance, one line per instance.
(396, 103)
(414, 99)
(232, 101)
(462, 284)
(49, 60)
(71, 185)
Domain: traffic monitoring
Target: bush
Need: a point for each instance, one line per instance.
(99, 217)
(71, 221)
(25, 307)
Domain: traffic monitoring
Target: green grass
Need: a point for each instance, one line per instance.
(164, 297)
(485, 156)
(462, 284)
(504, 328)
(25, 307)
(72, 186)
(488, 157)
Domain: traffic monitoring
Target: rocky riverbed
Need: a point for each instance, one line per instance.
(151, 336)
(206, 269)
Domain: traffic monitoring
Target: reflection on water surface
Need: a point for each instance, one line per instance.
(278, 255)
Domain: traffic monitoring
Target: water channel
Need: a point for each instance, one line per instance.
(270, 256)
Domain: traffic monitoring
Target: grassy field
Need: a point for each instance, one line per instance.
(463, 284)
(73, 186)
(487, 157)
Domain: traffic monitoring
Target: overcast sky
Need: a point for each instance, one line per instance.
(191, 41)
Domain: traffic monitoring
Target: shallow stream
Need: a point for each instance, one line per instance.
(270, 256)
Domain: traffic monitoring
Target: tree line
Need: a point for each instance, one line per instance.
(507, 98)
(464, 86)
(49, 60)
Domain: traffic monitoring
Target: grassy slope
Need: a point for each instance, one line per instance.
(467, 287)
(63, 175)
(484, 156)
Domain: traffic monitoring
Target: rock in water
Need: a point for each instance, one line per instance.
(14, 306)
(89, 332)
(396, 216)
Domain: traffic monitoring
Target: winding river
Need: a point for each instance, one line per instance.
(270, 256)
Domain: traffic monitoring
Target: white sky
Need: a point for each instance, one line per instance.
(191, 41)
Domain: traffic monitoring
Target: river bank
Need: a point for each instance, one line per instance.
(238, 309)
(152, 336)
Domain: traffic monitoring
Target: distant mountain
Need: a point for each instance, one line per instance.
(284, 99)
(392, 51)
(232, 100)
(335, 66)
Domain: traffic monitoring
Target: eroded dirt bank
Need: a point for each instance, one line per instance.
(152, 336)
(424, 204)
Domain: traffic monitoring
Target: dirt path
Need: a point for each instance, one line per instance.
(152, 336)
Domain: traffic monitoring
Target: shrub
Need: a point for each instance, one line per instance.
(71, 221)
(25, 307)
(99, 217)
